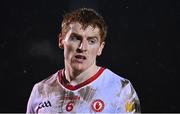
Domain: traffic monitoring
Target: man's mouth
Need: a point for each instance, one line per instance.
(80, 57)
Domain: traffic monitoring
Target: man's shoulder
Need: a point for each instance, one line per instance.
(46, 86)
(115, 77)
(52, 79)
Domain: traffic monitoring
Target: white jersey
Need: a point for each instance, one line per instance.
(105, 92)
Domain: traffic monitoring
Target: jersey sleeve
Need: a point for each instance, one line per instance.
(31, 105)
(131, 103)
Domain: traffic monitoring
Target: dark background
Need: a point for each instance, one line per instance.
(142, 46)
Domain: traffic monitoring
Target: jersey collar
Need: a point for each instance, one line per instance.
(63, 81)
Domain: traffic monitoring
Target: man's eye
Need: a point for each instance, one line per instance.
(73, 38)
(92, 41)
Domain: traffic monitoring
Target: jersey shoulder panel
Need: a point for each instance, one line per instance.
(115, 78)
(127, 91)
(49, 80)
(50, 83)
(41, 90)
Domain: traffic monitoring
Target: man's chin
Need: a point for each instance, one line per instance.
(79, 67)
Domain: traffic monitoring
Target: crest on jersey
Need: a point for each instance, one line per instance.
(97, 105)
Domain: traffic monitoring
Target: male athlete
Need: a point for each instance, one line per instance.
(82, 86)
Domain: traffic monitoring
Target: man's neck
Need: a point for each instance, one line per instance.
(76, 77)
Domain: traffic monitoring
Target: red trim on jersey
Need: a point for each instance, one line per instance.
(71, 87)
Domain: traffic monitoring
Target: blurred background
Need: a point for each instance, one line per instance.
(142, 45)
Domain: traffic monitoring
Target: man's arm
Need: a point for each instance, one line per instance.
(129, 101)
(132, 103)
(31, 101)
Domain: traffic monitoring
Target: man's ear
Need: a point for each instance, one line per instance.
(101, 48)
(61, 43)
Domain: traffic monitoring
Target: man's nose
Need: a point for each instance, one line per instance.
(83, 45)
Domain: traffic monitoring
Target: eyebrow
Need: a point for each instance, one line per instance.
(78, 35)
(75, 34)
(93, 37)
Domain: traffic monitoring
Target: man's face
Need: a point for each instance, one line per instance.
(81, 46)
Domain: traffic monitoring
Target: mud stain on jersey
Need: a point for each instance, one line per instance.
(87, 93)
(124, 83)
